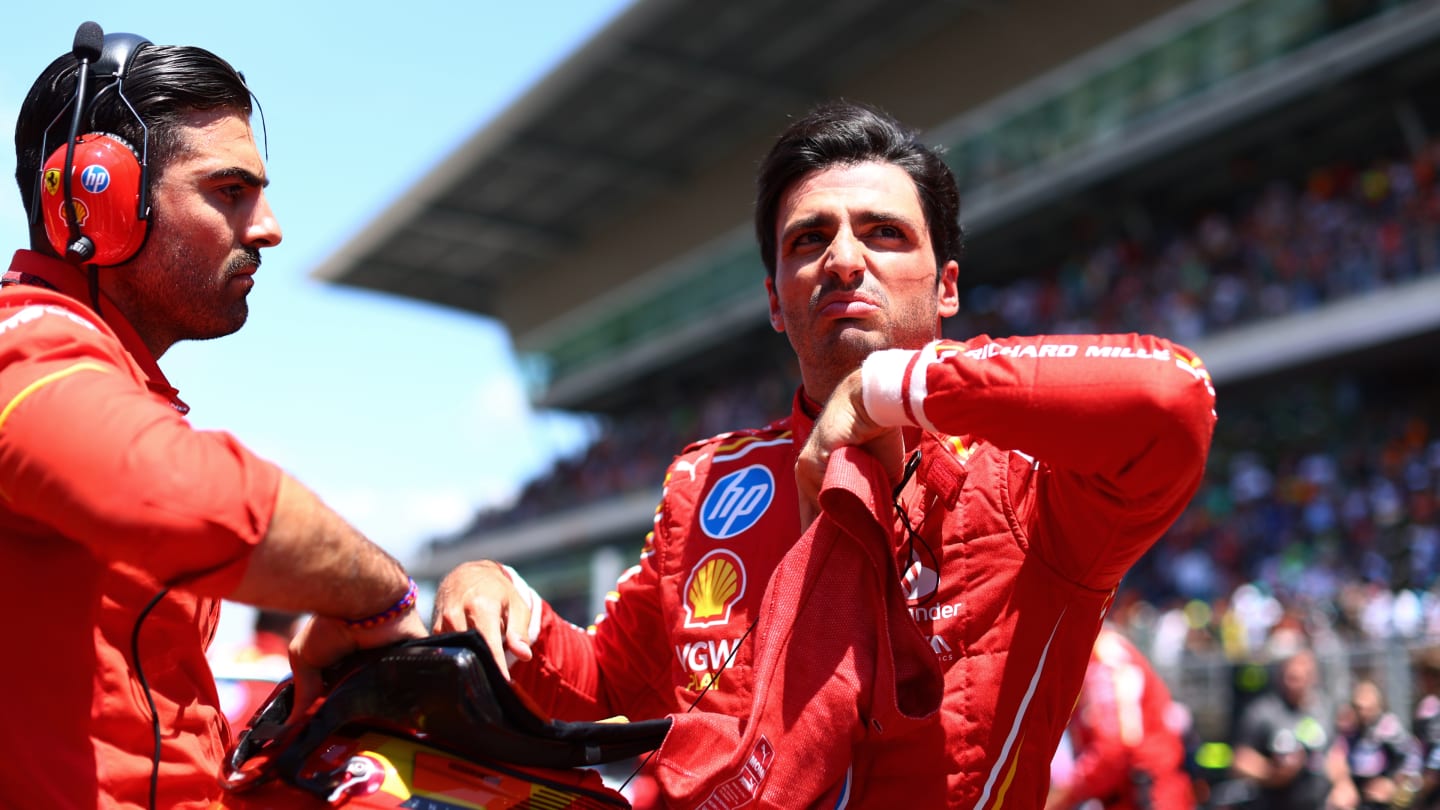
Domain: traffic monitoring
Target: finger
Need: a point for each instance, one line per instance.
(809, 475)
(308, 688)
(888, 447)
(306, 678)
(487, 624)
(517, 630)
(808, 513)
(450, 620)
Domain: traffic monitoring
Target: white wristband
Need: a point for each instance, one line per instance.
(882, 384)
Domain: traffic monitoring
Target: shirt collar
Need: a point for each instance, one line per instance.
(30, 267)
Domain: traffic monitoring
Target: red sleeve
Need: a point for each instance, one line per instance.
(561, 678)
(632, 638)
(87, 450)
(1114, 429)
(619, 666)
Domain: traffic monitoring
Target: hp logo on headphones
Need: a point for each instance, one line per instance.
(95, 178)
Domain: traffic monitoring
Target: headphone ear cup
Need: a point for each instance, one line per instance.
(105, 188)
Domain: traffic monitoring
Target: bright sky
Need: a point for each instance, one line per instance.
(405, 417)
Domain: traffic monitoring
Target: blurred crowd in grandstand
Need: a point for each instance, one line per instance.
(1345, 231)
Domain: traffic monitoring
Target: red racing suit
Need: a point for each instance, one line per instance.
(1129, 754)
(1046, 467)
(107, 497)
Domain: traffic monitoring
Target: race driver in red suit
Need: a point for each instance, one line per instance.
(1129, 754)
(1032, 473)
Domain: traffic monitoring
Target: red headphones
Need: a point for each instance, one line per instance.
(106, 183)
(101, 215)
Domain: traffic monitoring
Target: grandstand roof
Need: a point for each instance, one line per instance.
(663, 89)
(641, 145)
(600, 217)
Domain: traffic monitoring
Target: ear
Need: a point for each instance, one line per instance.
(777, 321)
(947, 289)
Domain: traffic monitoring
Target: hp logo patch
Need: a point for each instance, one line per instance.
(95, 178)
(737, 501)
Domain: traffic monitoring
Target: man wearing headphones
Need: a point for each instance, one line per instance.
(121, 527)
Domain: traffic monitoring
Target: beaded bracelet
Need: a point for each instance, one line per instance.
(389, 614)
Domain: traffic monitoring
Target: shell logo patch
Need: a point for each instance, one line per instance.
(716, 583)
(737, 501)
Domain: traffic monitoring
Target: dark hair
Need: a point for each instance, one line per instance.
(164, 83)
(839, 133)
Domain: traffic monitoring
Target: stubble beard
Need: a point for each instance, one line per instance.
(213, 312)
(838, 350)
(246, 258)
(827, 358)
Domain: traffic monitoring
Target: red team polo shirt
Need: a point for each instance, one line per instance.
(107, 497)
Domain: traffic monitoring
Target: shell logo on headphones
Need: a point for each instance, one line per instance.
(78, 212)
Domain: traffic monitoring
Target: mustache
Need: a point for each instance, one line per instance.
(247, 257)
(832, 285)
